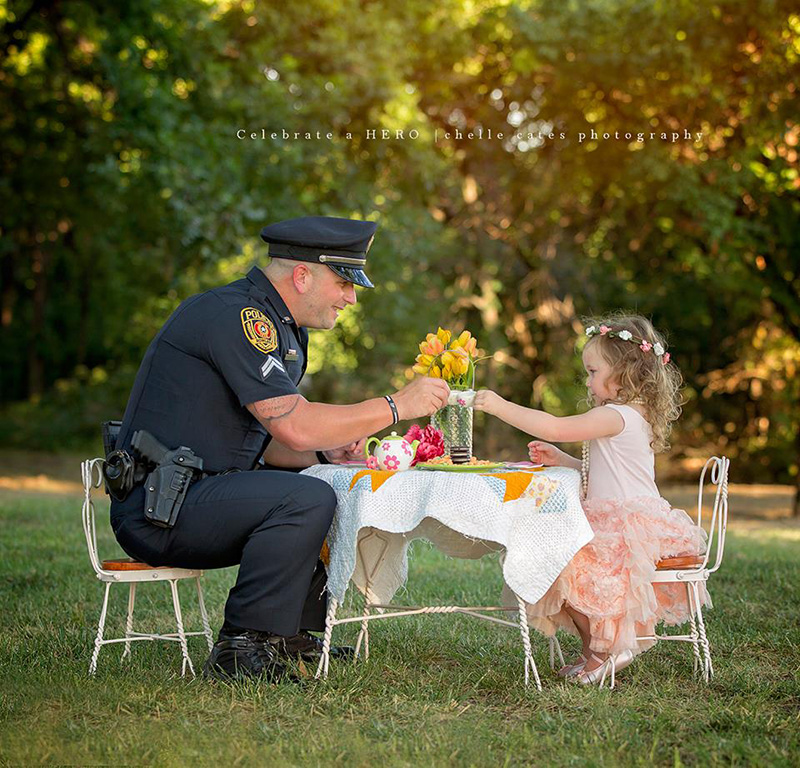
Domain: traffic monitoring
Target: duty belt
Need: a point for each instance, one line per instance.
(167, 475)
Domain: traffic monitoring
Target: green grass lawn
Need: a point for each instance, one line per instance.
(436, 690)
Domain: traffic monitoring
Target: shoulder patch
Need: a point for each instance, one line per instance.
(259, 330)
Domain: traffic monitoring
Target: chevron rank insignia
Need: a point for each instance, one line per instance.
(271, 364)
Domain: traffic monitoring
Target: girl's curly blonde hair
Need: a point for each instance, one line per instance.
(640, 374)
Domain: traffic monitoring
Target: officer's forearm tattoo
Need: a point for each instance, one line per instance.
(275, 407)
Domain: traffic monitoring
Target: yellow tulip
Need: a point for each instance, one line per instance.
(471, 345)
(443, 335)
(462, 340)
(418, 368)
(436, 347)
(462, 366)
(448, 358)
(424, 359)
(458, 354)
(447, 373)
(436, 372)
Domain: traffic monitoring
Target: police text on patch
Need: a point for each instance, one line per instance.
(259, 330)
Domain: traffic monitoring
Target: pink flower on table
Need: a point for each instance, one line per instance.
(372, 462)
(604, 329)
(645, 346)
(431, 442)
(391, 462)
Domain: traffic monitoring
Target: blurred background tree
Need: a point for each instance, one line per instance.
(125, 189)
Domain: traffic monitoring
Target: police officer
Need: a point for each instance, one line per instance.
(221, 378)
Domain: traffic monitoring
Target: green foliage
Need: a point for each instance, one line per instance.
(125, 189)
(68, 416)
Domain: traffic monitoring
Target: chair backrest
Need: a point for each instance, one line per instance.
(92, 474)
(717, 470)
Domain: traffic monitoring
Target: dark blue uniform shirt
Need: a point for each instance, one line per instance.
(218, 352)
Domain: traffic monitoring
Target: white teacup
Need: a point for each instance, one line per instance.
(463, 397)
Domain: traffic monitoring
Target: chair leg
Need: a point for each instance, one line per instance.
(708, 671)
(187, 662)
(129, 619)
(555, 647)
(98, 641)
(524, 630)
(363, 635)
(609, 664)
(204, 616)
(698, 663)
(322, 667)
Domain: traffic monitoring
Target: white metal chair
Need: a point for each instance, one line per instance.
(691, 571)
(131, 572)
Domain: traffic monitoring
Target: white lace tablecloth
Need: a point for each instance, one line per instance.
(535, 516)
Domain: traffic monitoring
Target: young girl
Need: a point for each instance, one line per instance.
(605, 594)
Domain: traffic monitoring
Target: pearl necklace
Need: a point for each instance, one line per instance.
(584, 469)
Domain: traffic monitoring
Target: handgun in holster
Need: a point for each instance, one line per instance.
(166, 486)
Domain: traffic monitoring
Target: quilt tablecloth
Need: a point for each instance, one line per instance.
(534, 515)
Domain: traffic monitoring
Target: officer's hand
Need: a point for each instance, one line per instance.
(421, 397)
(350, 452)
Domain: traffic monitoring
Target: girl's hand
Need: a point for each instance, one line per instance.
(544, 453)
(487, 401)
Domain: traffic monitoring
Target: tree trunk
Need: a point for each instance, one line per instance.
(7, 290)
(37, 330)
(84, 296)
(796, 509)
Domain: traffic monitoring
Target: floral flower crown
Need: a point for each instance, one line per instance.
(646, 346)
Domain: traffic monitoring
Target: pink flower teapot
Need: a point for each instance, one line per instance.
(392, 452)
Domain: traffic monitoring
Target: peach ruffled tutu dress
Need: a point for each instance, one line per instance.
(608, 580)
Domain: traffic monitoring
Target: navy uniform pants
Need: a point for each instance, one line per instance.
(272, 524)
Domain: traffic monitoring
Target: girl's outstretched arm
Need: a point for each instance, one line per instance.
(599, 422)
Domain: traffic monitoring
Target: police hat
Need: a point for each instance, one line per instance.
(340, 244)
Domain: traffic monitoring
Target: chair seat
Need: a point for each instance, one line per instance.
(128, 564)
(684, 561)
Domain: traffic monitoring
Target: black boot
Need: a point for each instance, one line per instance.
(243, 653)
(306, 646)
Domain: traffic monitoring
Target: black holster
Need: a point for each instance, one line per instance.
(166, 486)
(166, 473)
